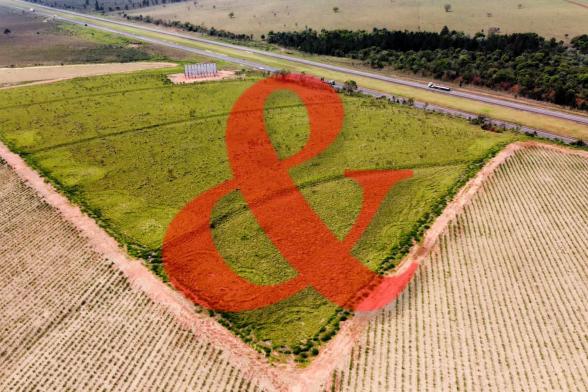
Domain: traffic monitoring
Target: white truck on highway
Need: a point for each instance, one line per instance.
(438, 87)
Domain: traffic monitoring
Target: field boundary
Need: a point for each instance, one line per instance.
(577, 3)
(336, 351)
(141, 278)
(282, 377)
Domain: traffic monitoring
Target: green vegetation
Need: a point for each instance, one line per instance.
(97, 36)
(133, 149)
(533, 120)
(524, 64)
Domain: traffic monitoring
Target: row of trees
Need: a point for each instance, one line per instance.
(191, 27)
(103, 5)
(525, 64)
(344, 42)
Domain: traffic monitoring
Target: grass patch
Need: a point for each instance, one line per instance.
(97, 36)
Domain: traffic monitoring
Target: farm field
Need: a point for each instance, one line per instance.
(500, 304)
(253, 17)
(133, 149)
(19, 76)
(36, 40)
(70, 319)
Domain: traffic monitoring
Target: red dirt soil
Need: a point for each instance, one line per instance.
(578, 3)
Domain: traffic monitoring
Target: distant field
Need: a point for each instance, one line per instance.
(35, 40)
(69, 320)
(545, 17)
(134, 149)
(500, 305)
(18, 76)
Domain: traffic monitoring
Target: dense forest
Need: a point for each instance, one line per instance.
(525, 64)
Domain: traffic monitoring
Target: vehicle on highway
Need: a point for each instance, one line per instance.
(329, 82)
(438, 87)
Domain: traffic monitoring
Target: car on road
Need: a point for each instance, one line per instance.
(438, 87)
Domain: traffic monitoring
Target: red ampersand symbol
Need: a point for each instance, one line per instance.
(193, 263)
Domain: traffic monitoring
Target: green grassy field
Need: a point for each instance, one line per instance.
(254, 17)
(133, 149)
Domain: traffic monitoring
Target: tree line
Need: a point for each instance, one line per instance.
(103, 5)
(525, 64)
(191, 27)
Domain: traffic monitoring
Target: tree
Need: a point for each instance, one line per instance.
(231, 14)
(7, 31)
(350, 86)
(447, 7)
(335, 9)
(580, 43)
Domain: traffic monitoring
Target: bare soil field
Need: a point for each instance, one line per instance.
(18, 76)
(500, 303)
(583, 5)
(75, 314)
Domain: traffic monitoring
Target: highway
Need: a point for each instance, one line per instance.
(61, 14)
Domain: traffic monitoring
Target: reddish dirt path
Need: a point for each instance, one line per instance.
(286, 377)
(578, 3)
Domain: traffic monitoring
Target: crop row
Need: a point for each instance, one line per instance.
(500, 304)
(70, 321)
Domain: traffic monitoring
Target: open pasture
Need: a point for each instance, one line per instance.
(544, 17)
(133, 149)
(500, 304)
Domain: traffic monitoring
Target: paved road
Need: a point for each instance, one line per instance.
(462, 94)
(235, 60)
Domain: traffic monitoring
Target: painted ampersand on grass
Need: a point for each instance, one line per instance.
(194, 265)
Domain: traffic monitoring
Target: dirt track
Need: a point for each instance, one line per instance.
(578, 3)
